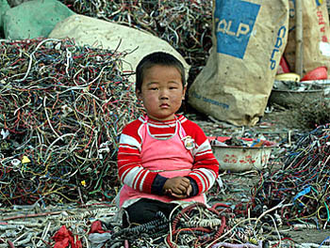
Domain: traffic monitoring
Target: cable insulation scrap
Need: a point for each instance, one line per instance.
(302, 184)
(63, 107)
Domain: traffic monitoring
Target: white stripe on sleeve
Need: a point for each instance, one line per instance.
(129, 140)
(209, 174)
(142, 181)
(128, 177)
(200, 179)
(204, 147)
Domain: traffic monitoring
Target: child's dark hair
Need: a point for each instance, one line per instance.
(157, 58)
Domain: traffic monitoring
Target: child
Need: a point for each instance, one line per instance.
(163, 158)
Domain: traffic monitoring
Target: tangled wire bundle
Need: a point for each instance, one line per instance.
(62, 109)
(302, 185)
(185, 24)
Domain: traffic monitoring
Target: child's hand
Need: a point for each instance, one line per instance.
(189, 190)
(178, 187)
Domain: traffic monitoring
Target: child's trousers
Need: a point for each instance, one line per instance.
(145, 211)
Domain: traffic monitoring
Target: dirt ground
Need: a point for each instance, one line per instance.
(241, 185)
(290, 119)
(281, 123)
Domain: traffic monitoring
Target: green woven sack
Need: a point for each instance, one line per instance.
(34, 19)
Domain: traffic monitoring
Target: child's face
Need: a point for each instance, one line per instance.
(162, 92)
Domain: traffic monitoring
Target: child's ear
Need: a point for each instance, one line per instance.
(184, 92)
(138, 94)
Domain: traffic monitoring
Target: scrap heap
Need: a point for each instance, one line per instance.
(62, 109)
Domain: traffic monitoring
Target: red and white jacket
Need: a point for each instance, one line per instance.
(151, 151)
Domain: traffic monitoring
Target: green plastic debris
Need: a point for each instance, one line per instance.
(34, 19)
(4, 6)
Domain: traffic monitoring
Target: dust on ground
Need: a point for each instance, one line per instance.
(279, 124)
(240, 185)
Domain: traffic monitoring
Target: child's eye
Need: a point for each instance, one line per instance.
(173, 88)
(153, 88)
